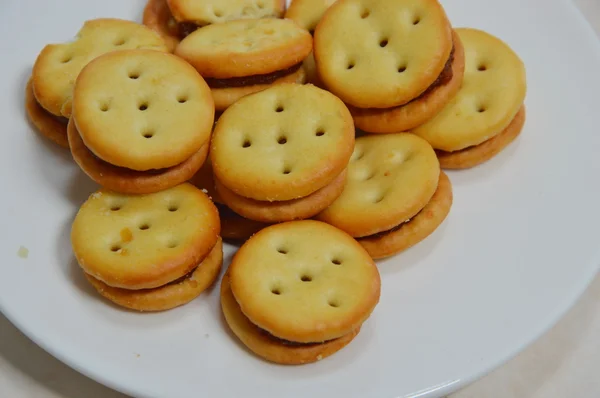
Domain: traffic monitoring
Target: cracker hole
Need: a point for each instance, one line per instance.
(115, 207)
(333, 303)
(173, 208)
(276, 291)
(312, 31)
(182, 99)
(416, 20)
(172, 244)
(306, 278)
(365, 14)
(481, 108)
(320, 133)
(246, 144)
(481, 67)
(144, 227)
(104, 107)
(281, 140)
(357, 155)
(378, 198)
(119, 42)
(148, 134)
(282, 250)
(115, 248)
(369, 175)
(336, 261)
(279, 109)
(350, 65)
(134, 75)
(143, 106)
(287, 170)
(67, 59)
(218, 13)
(383, 43)
(402, 68)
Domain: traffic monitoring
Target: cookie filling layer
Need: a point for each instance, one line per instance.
(444, 78)
(60, 119)
(288, 342)
(251, 80)
(389, 231)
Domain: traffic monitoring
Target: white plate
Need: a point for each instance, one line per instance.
(519, 246)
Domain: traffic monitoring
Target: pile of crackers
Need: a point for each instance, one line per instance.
(313, 137)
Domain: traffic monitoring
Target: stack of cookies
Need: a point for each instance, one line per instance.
(199, 127)
(141, 121)
(149, 252)
(49, 92)
(299, 291)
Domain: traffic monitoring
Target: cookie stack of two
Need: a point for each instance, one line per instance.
(281, 154)
(140, 127)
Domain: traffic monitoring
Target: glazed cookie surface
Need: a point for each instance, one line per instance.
(144, 241)
(205, 12)
(58, 65)
(158, 109)
(245, 47)
(493, 91)
(269, 347)
(173, 294)
(395, 50)
(282, 143)
(304, 281)
(391, 177)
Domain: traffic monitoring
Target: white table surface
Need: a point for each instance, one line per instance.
(565, 362)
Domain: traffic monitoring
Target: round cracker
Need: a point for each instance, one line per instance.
(493, 90)
(142, 109)
(268, 347)
(157, 16)
(394, 51)
(245, 47)
(171, 295)
(391, 177)
(208, 12)
(144, 241)
(58, 65)
(304, 281)
(225, 97)
(411, 115)
(417, 229)
(287, 210)
(280, 153)
(478, 154)
(128, 181)
(46, 123)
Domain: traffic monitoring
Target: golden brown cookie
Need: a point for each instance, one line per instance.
(269, 347)
(475, 155)
(391, 177)
(298, 140)
(240, 57)
(206, 12)
(144, 241)
(50, 126)
(142, 109)
(120, 179)
(284, 210)
(419, 110)
(171, 295)
(415, 230)
(394, 51)
(58, 65)
(304, 281)
(492, 93)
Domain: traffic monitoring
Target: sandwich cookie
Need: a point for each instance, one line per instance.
(488, 111)
(142, 120)
(421, 109)
(299, 291)
(241, 57)
(136, 242)
(395, 196)
(58, 65)
(288, 160)
(307, 14)
(395, 51)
